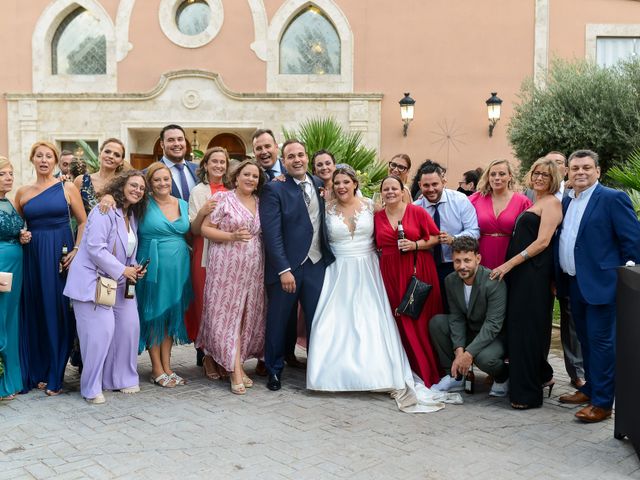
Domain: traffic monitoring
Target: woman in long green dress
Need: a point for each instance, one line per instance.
(165, 292)
(11, 236)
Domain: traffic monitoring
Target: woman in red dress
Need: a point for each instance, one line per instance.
(212, 172)
(396, 264)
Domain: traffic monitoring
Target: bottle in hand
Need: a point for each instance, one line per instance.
(129, 289)
(65, 252)
(469, 381)
(401, 235)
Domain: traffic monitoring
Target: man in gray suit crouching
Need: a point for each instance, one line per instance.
(472, 332)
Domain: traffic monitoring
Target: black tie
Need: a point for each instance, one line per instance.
(271, 173)
(437, 250)
(184, 186)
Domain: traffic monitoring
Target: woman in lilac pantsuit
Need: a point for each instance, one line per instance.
(109, 335)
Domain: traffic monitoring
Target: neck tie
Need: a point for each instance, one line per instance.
(184, 186)
(271, 173)
(437, 250)
(305, 194)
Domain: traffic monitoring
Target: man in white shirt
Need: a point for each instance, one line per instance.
(183, 173)
(452, 212)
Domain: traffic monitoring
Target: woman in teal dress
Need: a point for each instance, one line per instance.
(47, 326)
(165, 292)
(11, 236)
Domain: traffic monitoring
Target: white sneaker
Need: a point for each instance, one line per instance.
(449, 384)
(134, 389)
(499, 389)
(99, 399)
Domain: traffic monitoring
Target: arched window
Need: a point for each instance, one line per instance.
(79, 45)
(310, 45)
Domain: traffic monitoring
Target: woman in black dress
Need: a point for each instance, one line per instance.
(530, 298)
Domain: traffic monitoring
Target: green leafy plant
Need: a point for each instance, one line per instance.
(627, 176)
(347, 147)
(581, 106)
(90, 157)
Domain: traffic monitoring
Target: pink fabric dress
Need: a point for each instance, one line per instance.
(234, 296)
(495, 233)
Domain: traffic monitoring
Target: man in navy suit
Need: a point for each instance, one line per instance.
(599, 233)
(183, 174)
(297, 251)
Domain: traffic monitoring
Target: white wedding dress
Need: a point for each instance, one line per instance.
(355, 344)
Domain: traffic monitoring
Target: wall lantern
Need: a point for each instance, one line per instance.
(493, 111)
(406, 112)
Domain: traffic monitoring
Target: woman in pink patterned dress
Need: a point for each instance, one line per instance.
(497, 207)
(233, 317)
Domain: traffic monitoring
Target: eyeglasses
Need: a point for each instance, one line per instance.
(544, 175)
(135, 186)
(398, 167)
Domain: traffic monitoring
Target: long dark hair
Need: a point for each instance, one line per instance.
(116, 189)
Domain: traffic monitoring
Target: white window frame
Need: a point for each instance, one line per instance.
(295, 83)
(595, 30)
(167, 18)
(42, 41)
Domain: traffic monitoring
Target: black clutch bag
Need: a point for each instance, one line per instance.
(415, 296)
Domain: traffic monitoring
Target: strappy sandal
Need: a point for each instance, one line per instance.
(163, 381)
(42, 385)
(238, 389)
(178, 379)
(247, 382)
(210, 369)
(8, 398)
(53, 393)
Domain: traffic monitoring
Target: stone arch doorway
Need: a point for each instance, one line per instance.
(234, 145)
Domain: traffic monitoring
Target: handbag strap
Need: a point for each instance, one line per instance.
(415, 261)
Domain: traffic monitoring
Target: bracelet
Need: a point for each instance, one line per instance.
(524, 254)
(417, 246)
(76, 247)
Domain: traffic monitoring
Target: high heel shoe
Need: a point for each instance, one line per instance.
(549, 384)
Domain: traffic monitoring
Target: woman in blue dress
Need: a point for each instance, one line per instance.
(12, 234)
(165, 292)
(47, 328)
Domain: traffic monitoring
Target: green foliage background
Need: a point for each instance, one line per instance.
(581, 106)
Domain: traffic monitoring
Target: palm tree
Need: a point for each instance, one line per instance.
(347, 147)
(628, 177)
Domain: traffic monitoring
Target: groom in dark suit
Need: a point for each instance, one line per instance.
(297, 251)
(599, 233)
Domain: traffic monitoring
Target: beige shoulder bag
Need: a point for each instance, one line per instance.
(106, 288)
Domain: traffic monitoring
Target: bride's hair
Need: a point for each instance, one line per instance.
(349, 172)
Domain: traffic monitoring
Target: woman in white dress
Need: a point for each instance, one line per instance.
(355, 344)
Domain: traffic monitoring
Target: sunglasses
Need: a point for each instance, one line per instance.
(398, 167)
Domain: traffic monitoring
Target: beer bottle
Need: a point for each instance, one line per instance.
(400, 234)
(129, 289)
(469, 380)
(65, 252)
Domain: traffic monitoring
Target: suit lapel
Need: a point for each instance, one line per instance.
(121, 233)
(474, 289)
(591, 206)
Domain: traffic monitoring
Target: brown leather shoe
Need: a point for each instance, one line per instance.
(261, 368)
(574, 398)
(593, 414)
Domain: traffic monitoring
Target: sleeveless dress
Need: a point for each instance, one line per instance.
(495, 232)
(10, 261)
(234, 293)
(529, 315)
(88, 193)
(355, 344)
(164, 293)
(47, 329)
(397, 270)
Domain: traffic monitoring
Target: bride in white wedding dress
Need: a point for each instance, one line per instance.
(355, 344)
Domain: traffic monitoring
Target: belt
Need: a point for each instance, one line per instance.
(495, 234)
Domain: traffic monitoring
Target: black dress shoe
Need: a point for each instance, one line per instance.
(273, 383)
(293, 362)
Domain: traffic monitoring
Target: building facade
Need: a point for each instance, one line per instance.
(93, 69)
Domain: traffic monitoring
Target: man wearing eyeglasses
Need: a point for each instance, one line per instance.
(452, 212)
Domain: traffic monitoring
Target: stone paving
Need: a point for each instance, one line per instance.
(203, 431)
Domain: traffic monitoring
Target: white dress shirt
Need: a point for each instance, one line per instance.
(570, 227)
(175, 174)
(457, 217)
